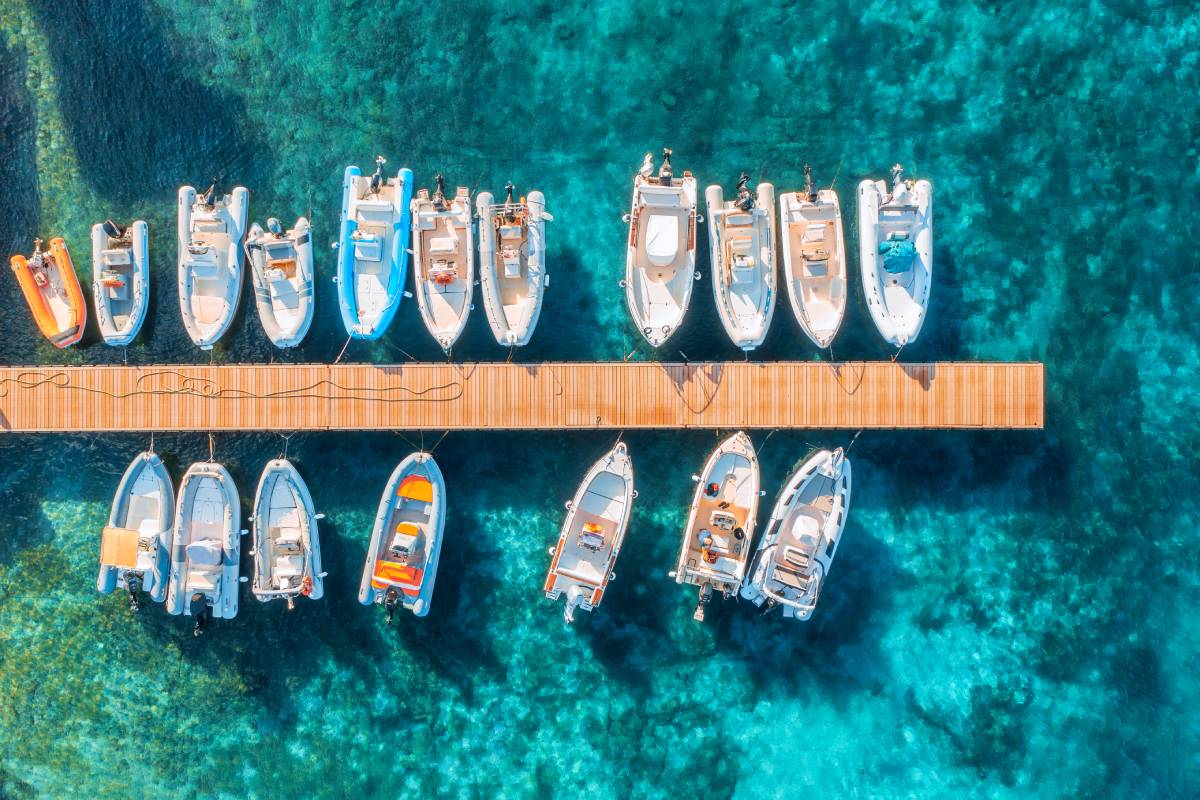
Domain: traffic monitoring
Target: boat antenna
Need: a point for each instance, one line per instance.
(439, 192)
(809, 189)
(377, 177)
(745, 199)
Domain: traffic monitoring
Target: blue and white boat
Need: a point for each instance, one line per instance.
(372, 248)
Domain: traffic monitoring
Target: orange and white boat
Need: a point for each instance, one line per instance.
(407, 539)
(47, 279)
(582, 563)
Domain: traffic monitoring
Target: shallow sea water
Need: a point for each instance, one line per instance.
(1011, 614)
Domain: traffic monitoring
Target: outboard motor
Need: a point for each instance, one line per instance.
(377, 176)
(809, 189)
(390, 601)
(112, 230)
(745, 199)
(510, 214)
(209, 198)
(274, 227)
(664, 172)
(133, 585)
(705, 596)
(897, 175)
(439, 192)
(200, 612)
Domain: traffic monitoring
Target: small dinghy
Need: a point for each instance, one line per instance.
(281, 267)
(741, 238)
(582, 563)
(802, 536)
(52, 290)
(444, 257)
(814, 259)
(120, 280)
(407, 539)
(895, 234)
(135, 546)
(512, 263)
(372, 249)
(720, 527)
(210, 260)
(287, 550)
(207, 546)
(660, 259)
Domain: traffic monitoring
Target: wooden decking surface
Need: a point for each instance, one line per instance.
(288, 397)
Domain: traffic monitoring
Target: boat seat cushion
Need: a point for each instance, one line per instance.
(115, 258)
(206, 552)
(663, 232)
(203, 581)
(443, 245)
(288, 566)
(367, 247)
(512, 262)
(118, 547)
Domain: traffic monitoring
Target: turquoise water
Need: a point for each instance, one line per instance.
(1011, 614)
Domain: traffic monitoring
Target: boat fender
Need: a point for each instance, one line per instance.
(696, 275)
(620, 283)
(634, 495)
(570, 504)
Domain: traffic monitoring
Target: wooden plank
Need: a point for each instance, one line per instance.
(523, 396)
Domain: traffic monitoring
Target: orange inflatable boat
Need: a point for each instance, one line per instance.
(48, 281)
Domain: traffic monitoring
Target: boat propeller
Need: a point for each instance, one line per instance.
(390, 601)
(133, 585)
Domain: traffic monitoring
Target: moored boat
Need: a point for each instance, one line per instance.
(741, 240)
(287, 548)
(210, 231)
(120, 280)
(444, 260)
(660, 255)
(720, 526)
(512, 263)
(281, 269)
(582, 562)
(895, 236)
(802, 536)
(406, 541)
(135, 545)
(51, 288)
(814, 259)
(206, 548)
(372, 248)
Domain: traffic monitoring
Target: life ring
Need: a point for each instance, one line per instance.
(306, 586)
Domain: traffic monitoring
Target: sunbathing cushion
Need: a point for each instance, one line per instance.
(663, 233)
(205, 553)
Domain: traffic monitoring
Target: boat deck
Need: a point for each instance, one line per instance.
(560, 396)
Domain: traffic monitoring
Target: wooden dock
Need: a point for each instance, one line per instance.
(287, 397)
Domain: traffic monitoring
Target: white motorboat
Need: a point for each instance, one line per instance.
(581, 565)
(287, 549)
(814, 259)
(207, 546)
(720, 527)
(120, 280)
(512, 263)
(660, 257)
(802, 536)
(444, 260)
(281, 268)
(741, 240)
(372, 248)
(406, 542)
(135, 545)
(895, 235)
(210, 260)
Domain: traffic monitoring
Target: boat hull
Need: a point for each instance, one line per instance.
(415, 593)
(210, 263)
(898, 301)
(444, 264)
(814, 263)
(142, 514)
(513, 306)
(660, 256)
(281, 270)
(120, 283)
(744, 295)
(58, 307)
(207, 516)
(372, 252)
(287, 545)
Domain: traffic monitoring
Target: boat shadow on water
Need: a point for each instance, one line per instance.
(141, 93)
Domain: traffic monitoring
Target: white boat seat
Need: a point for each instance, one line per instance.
(741, 250)
(203, 581)
(206, 552)
(208, 225)
(116, 258)
(815, 232)
(510, 233)
(288, 566)
(443, 245)
(374, 206)
(367, 246)
(512, 262)
(662, 238)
